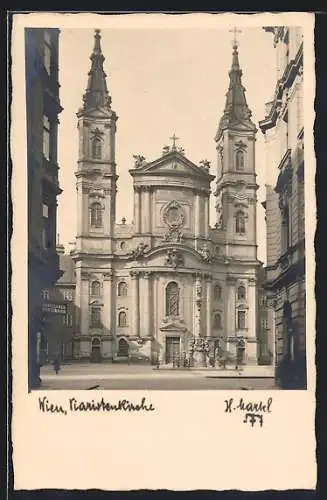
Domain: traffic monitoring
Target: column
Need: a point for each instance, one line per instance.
(147, 313)
(206, 215)
(80, 199)
(198, 304)
(209, 306)
(231, 314)
(197, 215)
(135, 303)
(84, 303)
(107, 302)
(252, 355)
(137, 209)
(146, 210)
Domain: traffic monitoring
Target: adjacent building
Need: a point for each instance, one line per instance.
(59, 312)
(285, 271)
(42, 110)
(166, 285)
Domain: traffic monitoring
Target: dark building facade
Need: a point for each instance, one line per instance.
(285, 272)
(42, 110)
(58, 304)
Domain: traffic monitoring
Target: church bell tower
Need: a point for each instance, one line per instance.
(96, 173)
(236, 176)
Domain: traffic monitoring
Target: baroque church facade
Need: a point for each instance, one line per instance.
(167, 285)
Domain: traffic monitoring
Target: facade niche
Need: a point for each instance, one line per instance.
(122, 289)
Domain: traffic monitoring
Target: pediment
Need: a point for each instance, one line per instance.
(173, 163)
(172, 326)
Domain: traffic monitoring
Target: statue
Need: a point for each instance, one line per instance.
(139, 251)
(205, 164)
(165, 150)
(206, 254)
(139, 161)
(181, 150)
(174, 258)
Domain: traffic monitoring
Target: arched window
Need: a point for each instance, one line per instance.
(96, 215)
(240, 222)
(240, 160)
(95, 288)
(172, 299)
(217, 292)
(241, 292)
(45, 294)
(96, 148)
(122, 319)
(95, 317)
(217, 320)
(122, 289)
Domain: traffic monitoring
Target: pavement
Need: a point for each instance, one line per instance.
(138, 377)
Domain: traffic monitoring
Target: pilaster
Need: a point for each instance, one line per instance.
(135, 326)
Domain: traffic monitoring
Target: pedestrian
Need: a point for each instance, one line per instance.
(56, 365)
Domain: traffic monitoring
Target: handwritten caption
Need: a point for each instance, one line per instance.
(74, 406)
(253, 412)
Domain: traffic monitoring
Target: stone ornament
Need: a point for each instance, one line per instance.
(139, 251)
(173, 215)
(205, 252)
(174, 258)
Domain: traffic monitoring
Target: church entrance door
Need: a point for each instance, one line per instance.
(172, 349)
(123, 348)
(95, 354)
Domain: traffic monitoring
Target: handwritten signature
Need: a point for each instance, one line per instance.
(253, 411)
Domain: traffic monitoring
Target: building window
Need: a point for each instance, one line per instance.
(45, 294)
(96, 215)
(95, 288)
(46, 137)
(217, 320)
(240, 160)
(172, 299)
(122, 289)
(240, 223)
(240, 320)
(217, 292)
(241, 293)
(96, 148)
(68, 294)
(122, 319)
(264, 324)
(46, 230)
(95, 317)
(68, 320)
(47, 52)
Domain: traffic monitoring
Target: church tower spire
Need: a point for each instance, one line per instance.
(236, 112)
(96, 94)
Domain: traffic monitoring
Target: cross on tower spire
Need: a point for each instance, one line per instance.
(174, 139)
(235, 41)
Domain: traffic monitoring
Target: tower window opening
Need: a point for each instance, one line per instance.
(240, 160)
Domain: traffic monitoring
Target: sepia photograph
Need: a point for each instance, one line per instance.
(166, 231)
(163, 261)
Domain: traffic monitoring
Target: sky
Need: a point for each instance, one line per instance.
(161, 82)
